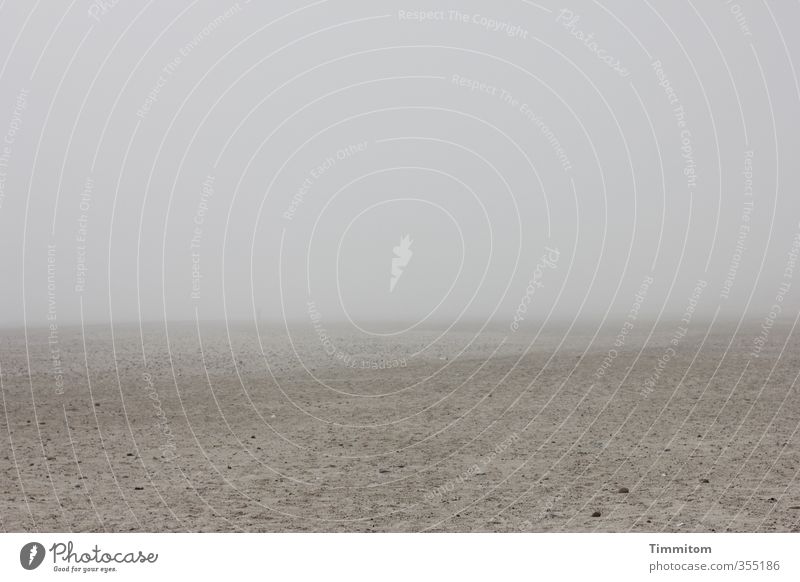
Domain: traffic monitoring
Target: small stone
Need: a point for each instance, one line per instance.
(596, 514)
(624, 490)
(138, 488)
(383, 470)
(704, 481)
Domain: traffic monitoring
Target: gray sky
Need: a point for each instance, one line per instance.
(228, 158)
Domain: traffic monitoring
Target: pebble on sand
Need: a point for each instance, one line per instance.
(596, 514)
(624, 490)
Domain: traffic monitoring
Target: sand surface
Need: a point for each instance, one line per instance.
(215, 428)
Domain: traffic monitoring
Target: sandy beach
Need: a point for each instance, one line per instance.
(210, 427)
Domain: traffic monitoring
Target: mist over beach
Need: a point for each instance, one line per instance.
(349, 267)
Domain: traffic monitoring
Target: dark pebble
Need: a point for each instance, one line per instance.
(596, 514)
(624, 490)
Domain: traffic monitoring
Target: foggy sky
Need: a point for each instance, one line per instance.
(233, 160)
